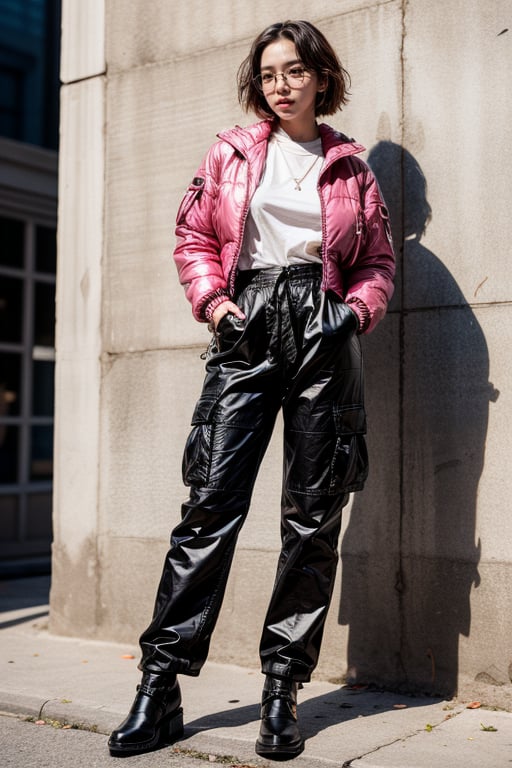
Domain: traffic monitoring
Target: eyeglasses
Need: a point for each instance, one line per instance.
(293, 76)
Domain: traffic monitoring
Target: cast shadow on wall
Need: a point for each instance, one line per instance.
(409, 557)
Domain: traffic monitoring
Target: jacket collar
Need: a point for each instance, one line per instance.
(244, 139)
(334, 143)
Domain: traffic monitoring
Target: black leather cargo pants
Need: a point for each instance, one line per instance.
(296, 350)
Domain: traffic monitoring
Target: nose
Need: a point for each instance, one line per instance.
(281, 81)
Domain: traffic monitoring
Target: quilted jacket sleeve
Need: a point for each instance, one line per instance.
(197, 251)
(370, 280)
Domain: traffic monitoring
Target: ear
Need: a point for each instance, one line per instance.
(323, 82)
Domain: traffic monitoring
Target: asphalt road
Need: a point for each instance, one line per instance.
(26, 745)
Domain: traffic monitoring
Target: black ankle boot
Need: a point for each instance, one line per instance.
(279, 737)
(156, 717)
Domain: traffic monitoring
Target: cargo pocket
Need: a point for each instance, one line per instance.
(197, 456)
(330, 457)
(349, 468)
(384, 215)
(193, 193)
(226, 444)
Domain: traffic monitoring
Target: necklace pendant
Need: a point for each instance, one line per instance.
(298, 181)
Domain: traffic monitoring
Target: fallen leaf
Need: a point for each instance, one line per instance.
(429, 727)
(399, 706)
(40, 722)
(66, 727)
(490, 728)
(127, 656)
(474, 705)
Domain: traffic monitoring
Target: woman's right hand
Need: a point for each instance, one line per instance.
(224, 309)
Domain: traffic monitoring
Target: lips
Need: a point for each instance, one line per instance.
(284, 102)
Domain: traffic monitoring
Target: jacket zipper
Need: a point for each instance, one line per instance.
(243, 220)
(324, 232)
(232, 274)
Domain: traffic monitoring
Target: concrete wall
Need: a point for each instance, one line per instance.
(423, 598)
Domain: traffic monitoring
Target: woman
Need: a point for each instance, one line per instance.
(283, 246)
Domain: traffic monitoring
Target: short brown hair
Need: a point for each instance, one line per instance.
(317, 55)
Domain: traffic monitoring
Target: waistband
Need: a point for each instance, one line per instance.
(270, 275)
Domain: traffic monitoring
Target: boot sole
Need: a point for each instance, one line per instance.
(170, 730)
(279, 751)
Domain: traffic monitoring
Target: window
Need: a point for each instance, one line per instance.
(29, 71)
(27, 321)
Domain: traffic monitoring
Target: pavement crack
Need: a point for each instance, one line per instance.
(348, 763)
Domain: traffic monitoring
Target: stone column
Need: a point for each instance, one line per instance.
(75, 566)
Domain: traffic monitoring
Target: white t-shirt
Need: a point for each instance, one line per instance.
(284, 224)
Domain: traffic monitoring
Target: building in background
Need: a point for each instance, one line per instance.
(29, 115)
(422, 600)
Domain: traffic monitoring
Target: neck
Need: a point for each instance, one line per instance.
(302, 133)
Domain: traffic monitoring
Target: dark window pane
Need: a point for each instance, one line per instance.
(11, 103)
(11, 243)
(41, 458)
(9, 436)
(9, 518)
(46, 250)
(10, 384)
(44, 315)
(39, 516)
(42, 398)
(29, 83)
(11, 308)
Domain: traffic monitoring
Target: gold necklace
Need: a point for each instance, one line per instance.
(298, 181)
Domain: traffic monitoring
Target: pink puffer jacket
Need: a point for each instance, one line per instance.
(357, 253)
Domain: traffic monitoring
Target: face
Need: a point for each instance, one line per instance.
(294, 106)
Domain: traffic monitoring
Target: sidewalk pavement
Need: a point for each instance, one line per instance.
(91, 684)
